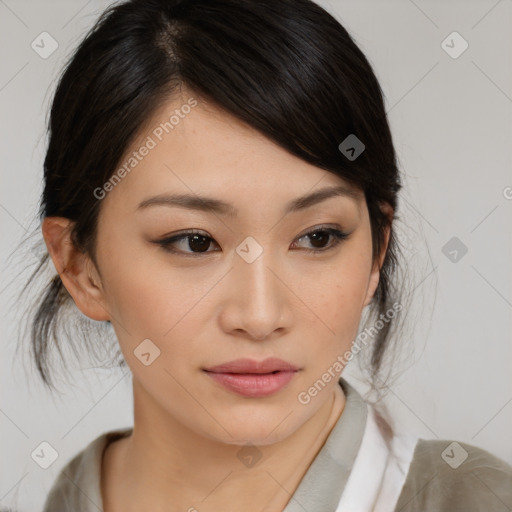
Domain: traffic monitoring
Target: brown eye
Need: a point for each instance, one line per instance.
(189, 243)
(198, 243)
(319, 239)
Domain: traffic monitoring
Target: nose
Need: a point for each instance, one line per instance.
(257, 300)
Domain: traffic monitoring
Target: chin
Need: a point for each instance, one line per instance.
(261, 432)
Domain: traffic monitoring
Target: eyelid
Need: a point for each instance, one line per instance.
(319, 227)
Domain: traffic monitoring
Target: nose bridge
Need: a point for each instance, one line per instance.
(258, 297)
(251, 269)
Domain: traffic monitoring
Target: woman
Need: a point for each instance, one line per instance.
(221, 187)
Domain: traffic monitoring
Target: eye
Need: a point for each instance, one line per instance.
(195, 243)
(320, 236)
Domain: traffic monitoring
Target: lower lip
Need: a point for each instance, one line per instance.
(253, 384)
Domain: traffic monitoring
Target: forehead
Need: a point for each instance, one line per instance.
(190, 147)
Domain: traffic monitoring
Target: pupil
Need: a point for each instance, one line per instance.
(315, 237)
(193, 244)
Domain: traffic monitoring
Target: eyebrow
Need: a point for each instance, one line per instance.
(209, 204)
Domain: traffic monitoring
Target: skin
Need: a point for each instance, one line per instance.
(210, 309)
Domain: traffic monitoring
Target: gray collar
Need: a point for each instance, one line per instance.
(321, 487)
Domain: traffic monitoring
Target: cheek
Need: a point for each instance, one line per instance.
(147, 297)
(339, 315)
(339, 309)
(338, 292)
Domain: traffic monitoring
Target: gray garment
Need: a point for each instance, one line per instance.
(481, 483)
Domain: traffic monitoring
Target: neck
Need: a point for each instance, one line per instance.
(164, 461)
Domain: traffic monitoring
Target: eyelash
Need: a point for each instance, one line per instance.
(339, 236)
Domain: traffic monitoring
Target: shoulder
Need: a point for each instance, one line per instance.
(77, 486)
(449, 476)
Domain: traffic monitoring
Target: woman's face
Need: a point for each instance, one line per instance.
(250, 286)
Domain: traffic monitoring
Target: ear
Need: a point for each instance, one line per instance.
(375, 273)
(76, 270)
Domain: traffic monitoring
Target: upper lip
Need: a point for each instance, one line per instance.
(268, 365)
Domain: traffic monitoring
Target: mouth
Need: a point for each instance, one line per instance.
(269, 366)
(253, 385)
(251, 378)
(248, 373)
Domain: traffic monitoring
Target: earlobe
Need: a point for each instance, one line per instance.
(372, 285)
(375, 274)
(75, 268)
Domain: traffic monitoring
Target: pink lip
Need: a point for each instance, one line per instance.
(269, 365)
(252, 378)
(253, 384)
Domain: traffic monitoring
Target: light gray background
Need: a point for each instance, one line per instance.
(451, 121)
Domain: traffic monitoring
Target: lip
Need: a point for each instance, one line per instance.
(251, 378)
(269, 365)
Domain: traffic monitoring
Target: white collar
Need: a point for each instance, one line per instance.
(379, 472)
